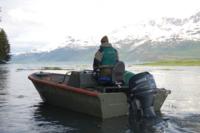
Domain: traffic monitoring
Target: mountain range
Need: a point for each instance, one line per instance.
(152, 40)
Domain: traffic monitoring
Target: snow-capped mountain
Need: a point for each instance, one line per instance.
(160, 30)
(164, 38)
(76, 43)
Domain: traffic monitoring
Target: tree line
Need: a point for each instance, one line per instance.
(4, 45)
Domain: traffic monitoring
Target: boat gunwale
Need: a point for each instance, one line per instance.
(63, 86)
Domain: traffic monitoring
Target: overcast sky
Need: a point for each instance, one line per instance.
(43, 24)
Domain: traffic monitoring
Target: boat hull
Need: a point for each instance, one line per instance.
(94, 103)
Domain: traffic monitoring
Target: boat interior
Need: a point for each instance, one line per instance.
(80, 79)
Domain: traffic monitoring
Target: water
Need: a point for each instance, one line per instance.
(22, 110)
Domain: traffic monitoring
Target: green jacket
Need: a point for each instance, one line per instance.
(106, 56)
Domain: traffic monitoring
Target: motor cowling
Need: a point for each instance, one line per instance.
(142, 88)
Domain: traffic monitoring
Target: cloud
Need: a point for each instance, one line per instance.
(50, 21)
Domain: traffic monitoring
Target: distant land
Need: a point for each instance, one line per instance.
(166, 39)
(148, 52)
(174, 63)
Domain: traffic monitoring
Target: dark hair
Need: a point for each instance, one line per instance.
(104, 39)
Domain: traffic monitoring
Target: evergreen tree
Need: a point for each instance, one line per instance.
(4, 46)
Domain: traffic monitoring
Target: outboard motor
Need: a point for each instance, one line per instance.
(141, 95)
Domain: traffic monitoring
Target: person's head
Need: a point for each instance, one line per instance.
(104, 39)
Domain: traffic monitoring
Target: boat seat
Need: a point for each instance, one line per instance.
(111, 76)
(117, 73)
(82, 79)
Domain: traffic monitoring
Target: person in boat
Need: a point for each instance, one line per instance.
(104, 61)
(107, 67)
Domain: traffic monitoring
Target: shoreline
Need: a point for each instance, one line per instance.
(173, 63)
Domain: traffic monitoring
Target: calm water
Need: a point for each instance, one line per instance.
(22, 110)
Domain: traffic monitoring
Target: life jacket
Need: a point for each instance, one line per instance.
(110, 56)
(109, 59)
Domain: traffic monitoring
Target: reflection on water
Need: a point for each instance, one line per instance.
(3, 84)
(73, 122)
(22, 110)
(149, 126)
(3, 77)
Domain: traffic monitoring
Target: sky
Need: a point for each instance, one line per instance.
(45, 24)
